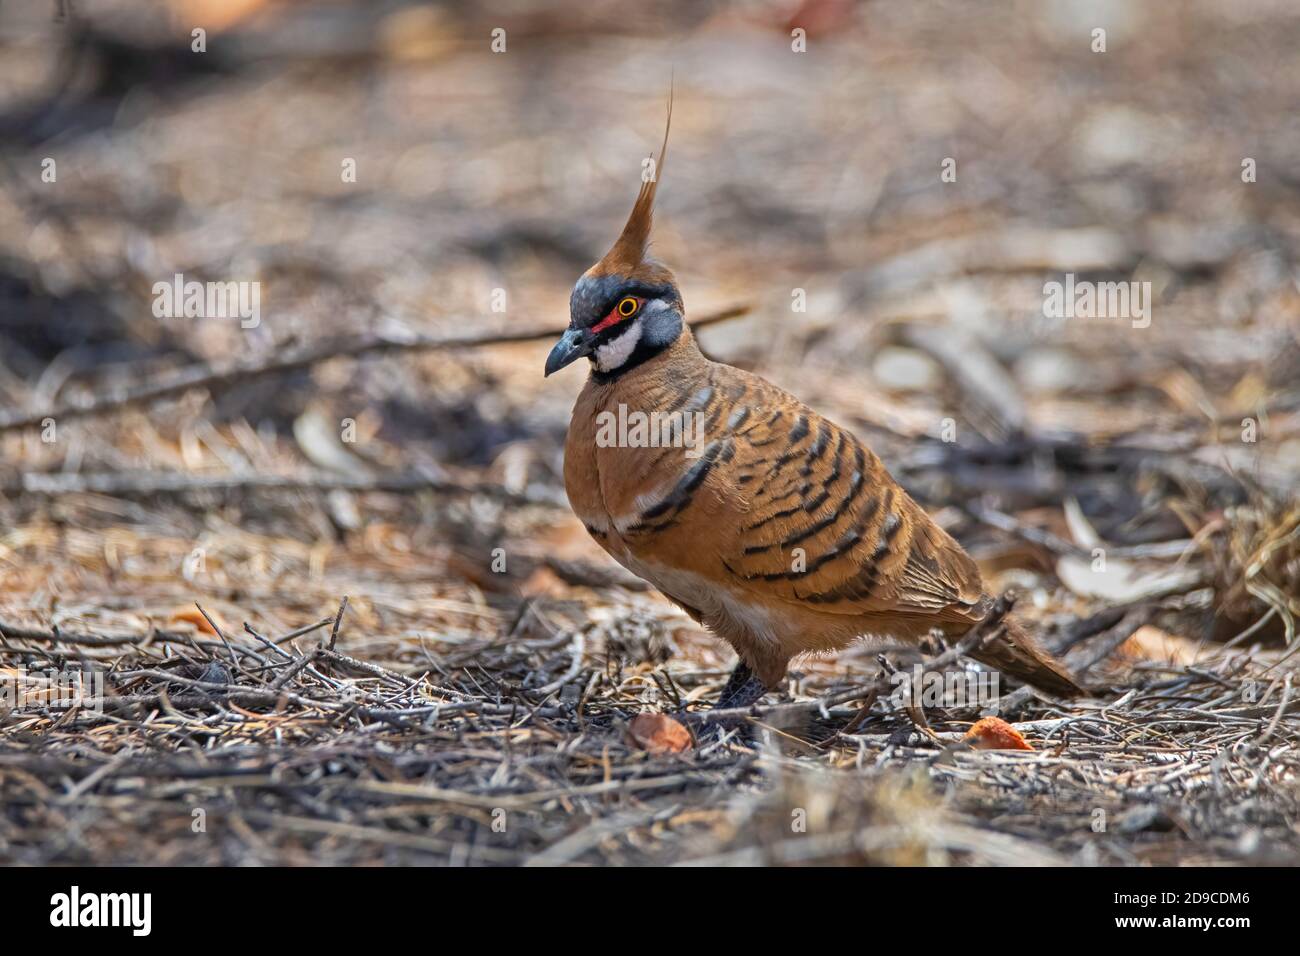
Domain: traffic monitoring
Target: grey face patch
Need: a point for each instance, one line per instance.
(590, 295)
(594, 296)
(619, 347)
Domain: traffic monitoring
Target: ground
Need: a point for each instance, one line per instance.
(873, 224)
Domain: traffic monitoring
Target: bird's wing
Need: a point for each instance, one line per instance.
(820, 521)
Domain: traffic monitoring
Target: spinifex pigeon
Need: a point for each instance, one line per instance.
(777, 529)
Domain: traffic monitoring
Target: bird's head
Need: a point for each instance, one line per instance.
(626, 308)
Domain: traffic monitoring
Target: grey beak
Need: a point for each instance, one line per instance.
(572, 346)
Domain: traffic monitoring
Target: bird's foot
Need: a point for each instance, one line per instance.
(742, 691)
(746, 695)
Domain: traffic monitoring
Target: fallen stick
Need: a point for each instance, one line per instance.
(56, 635)
(120, 484)
(242, 371)
(59, 636)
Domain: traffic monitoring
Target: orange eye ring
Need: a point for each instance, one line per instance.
(627, 306)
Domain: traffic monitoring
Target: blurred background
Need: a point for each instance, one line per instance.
(335, 449)
(486, 182)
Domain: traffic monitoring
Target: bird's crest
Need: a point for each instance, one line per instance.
(629, 251)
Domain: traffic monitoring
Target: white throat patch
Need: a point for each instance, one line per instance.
(614, 353)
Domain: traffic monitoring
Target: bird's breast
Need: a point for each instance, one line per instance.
(645, 482)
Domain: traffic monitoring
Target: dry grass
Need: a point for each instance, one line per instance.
(456, 729)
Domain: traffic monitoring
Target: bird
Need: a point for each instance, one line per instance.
(778, 530)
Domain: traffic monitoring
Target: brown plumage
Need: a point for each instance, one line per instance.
(777, 529)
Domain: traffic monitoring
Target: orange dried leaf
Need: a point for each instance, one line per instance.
(1150, 643)
(659, 734)
(543, 582)
(191, 615)
(994, 733)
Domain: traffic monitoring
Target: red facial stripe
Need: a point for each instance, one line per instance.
(612, 319)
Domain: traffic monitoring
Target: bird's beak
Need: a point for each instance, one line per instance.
(573, 345)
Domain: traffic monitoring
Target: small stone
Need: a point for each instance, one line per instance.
(905, 370)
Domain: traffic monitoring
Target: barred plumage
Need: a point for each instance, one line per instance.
(777, 529)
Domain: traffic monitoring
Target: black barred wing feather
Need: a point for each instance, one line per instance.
(823, 523)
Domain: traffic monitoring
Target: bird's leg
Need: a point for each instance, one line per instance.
(749, 692)
(740, 676)
(743, 689)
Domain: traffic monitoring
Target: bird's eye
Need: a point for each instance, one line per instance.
(628, 306)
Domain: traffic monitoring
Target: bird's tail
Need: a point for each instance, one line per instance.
(1012, 650)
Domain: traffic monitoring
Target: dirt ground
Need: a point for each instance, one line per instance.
(185, 503)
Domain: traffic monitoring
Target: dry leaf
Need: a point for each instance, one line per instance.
(543, 582)
(659, 734)
(994, 733)
(1150, 643)
(191, 615)
(415, 34)
(215, 15)
(1118, 581)
(320, 438)
(1121, 582)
